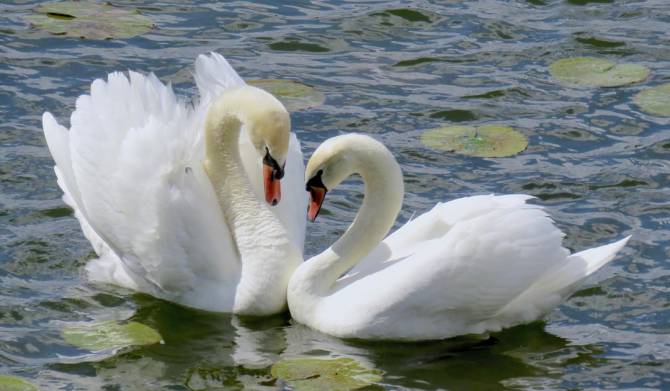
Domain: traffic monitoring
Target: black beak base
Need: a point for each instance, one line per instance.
(277, 171)
(315, 181)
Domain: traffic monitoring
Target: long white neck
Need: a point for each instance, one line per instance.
(267, 255)
(384, 192)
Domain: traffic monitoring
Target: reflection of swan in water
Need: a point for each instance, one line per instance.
(302, 340)
(258, 344)
(210, 348)
(513, 356)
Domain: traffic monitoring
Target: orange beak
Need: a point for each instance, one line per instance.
(316, 197)
(272, 185)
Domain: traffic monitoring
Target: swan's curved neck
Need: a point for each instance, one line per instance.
(266, 254)
(222, 159)
(382, 201)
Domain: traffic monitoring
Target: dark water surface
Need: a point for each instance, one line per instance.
(595, 161)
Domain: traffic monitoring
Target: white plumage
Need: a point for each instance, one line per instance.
(467, 266)
(131, 166)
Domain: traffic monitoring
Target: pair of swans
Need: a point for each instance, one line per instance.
(173, 201)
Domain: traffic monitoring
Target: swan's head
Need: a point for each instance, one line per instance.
(334, 161)
(269, 128)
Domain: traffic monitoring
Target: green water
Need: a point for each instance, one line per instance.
(597, 163)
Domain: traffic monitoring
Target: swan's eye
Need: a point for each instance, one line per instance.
(315, 181)
(268, 160)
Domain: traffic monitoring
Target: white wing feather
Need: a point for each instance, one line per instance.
(138, 186)
(213, 75)
(131, 168)
(471, 265)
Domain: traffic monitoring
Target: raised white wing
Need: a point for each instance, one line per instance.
(213, 75)
(131, 163)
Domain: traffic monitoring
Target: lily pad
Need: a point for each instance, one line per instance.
(483, 141)
(597, 72)
(88, 19)
(12, 383)
(307, 374)
(110, 335)
(294, 95)
(654, 100)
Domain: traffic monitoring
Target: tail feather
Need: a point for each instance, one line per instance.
(565, 280)
(597, 257)
(560, 283)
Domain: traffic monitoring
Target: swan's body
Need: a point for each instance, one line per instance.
(171, 197)
(471, 265)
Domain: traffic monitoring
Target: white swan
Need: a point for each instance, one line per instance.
(468, 266)
(171, 196)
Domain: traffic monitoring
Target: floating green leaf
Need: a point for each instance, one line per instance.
(88, 19)
(307, 374)
(483, 141)
(12, 383)
(409, 15)
(415, 61)
(297, 46)
(585, 2)
(597, 72)
(455, 115)
(654, 100)
(110, 335)
(598, 42)
(294, 95)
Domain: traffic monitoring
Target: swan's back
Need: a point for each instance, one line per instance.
(471, 265)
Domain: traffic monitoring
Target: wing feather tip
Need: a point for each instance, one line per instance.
(49, 122)
(598, 257)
